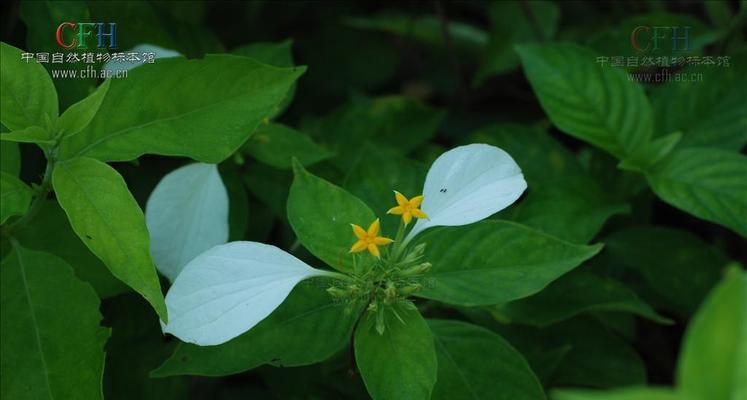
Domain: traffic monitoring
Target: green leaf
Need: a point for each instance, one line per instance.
(31, 134)
(51, 232)
(562, 199)
(278, 54)
(492, 262)
(109, 221)
(400, 363)
(320, 214)
(511, 23)
(395, 122)
(713, 360)
(631, 393)
(15, 195)
(276, 144)
(10, 158)
(162, 109)
(475, 363)
(594, 103)
(80, 114)
(707, 183)
(710, 113)
(51, 340)
(308, 313)
(577, 292)
(377, 173)
(675, 266)
(27, 94)
(654, 151)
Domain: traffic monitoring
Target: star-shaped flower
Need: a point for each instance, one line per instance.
(369, 239)
(407, 208)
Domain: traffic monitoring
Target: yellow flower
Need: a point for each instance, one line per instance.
(407, 208)
(369, 239)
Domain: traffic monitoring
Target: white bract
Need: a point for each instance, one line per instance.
(229, 289)
(186, 214)
(467, 184)
(111, 67)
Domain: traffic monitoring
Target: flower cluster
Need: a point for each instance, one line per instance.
(229, 288)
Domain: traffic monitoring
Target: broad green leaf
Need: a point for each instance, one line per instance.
(31, 134)
(51, 343)
(577, 292)
(492, 262)
(134, 337)
(707, 183)
(630, 393)
(309, 313)
(51, 232)
(475, 363)
(713, 360)
(109, 221)
(377, 173)
(230, 288)
(276, 145)
(467, 184)
(80, 114)
(278, 54)
(394, 122)
(162, 109)
(562, 199)
(710, 113)
(514, 22)
(10, 158)
(400, 363)
(321, 213)
(15, 196)
(27, 94)
(677, 267)
(595, 103)
(186, 214)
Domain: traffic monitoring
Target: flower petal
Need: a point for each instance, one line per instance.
(416, 201)
(417, 213)
(467, 184)
(230, 288)
(382, 241)
(373, 230)
(401, 199)
(407, 217)
(359, 232)
(186, 214)
(398, 210)
(374, 250)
